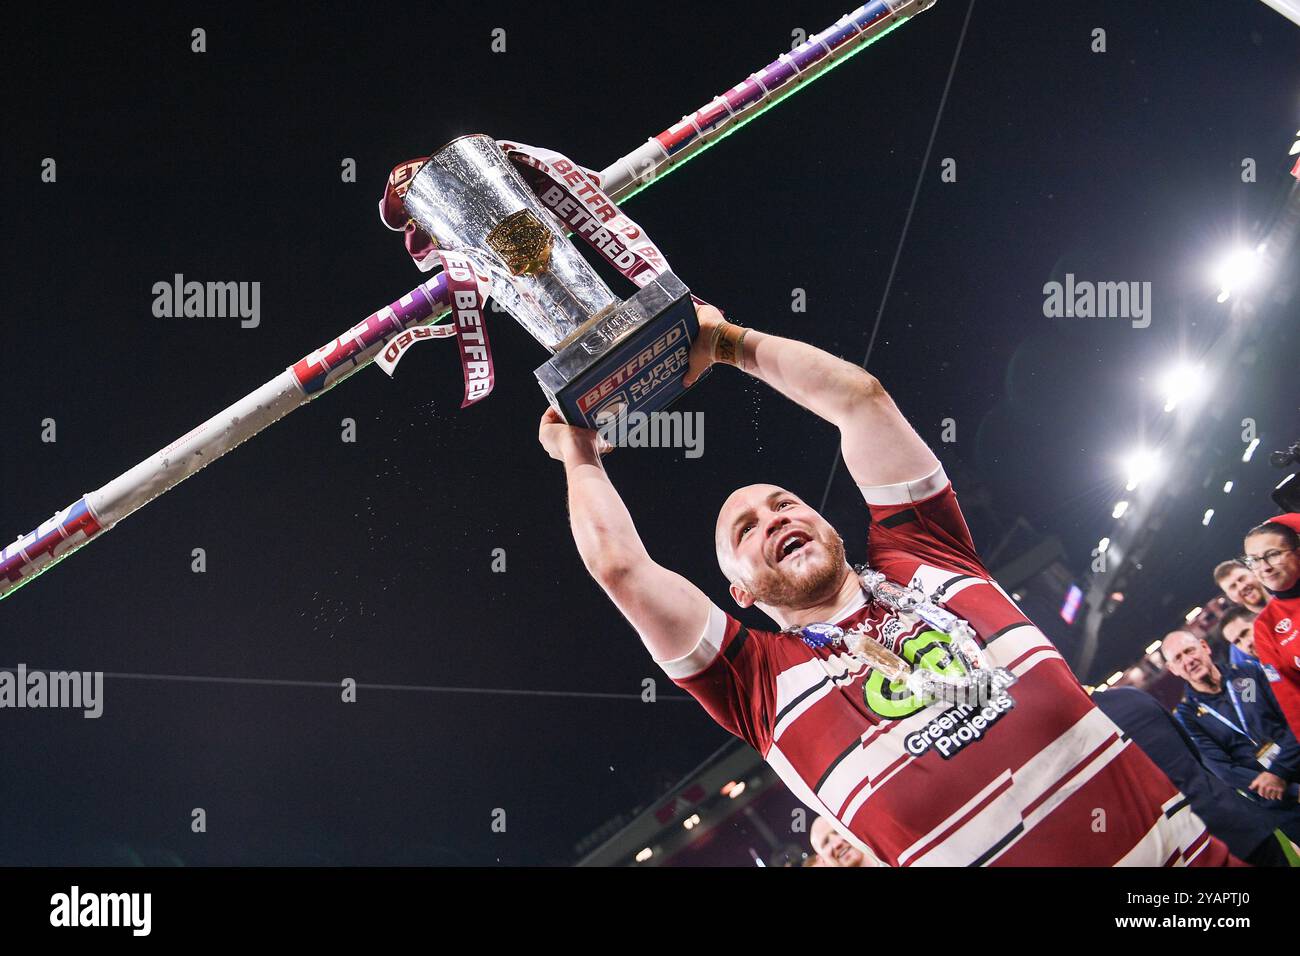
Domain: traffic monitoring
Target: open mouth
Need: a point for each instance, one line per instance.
(789, 543)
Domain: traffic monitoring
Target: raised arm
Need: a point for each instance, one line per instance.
(668, 611)
(879, 446)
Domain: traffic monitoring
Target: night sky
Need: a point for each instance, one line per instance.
(372, 559)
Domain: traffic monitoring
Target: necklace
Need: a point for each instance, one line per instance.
(980, 681)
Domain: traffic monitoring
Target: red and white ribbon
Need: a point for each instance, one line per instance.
(468, 287)
(573, 195)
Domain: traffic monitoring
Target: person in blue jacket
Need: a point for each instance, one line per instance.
(1248, 830)
(1238, 727)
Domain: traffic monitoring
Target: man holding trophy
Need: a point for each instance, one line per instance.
(1029, 773)
(907, 699)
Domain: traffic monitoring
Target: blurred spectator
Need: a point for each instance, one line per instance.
(833, 850)
(1238, 727)
(1240, 585)
(1237, 628)
(1249, 831)
(1273, 553)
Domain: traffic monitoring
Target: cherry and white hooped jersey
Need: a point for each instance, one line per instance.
(1036, 776)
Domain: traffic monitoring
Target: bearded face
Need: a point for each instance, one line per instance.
(778, 548)
(1241, 586)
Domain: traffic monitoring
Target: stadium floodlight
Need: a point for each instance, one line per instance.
(1193, 614)
(1120, 508)
(1205, 519)
(1103, 545)
(1250, 449)
(644, 855)
(1227, 486)
(1139, 466)
(1237, 270)
(1183, 383)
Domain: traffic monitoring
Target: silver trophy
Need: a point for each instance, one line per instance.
(609, 357)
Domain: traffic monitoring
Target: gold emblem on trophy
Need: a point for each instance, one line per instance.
(522, 242)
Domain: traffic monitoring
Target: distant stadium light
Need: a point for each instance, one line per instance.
(733, 789)
(644, 855)
(1227, 487)
(692, 821)
(1139, 466)
(1103, 545)
(1193, 614)
(1114, 678)
(1250, 449)
(1120, 508)
(1205, 519)
(1237, 270)
(1153, 647)
(1182, 383)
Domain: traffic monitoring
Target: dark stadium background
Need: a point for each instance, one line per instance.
(372, 560)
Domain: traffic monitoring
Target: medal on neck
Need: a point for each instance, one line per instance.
(980, 682)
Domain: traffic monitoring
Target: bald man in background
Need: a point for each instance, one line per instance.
(833, 850)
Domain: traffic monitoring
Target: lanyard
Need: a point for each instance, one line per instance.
(1232, 695)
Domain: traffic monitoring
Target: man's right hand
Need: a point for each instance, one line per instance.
(561, 440)
(1269, 786)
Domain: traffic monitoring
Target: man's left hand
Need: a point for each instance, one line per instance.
(702, 348)
(1269, 786)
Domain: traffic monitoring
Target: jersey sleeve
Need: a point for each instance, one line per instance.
(729, 671)
(920, 520)
(1287, 760)
(1265, 650)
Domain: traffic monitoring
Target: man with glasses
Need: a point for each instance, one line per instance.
(1273, 553)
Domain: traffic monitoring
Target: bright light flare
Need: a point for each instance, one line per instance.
(1237, 270)
(1139, 466)
(1183, 383)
